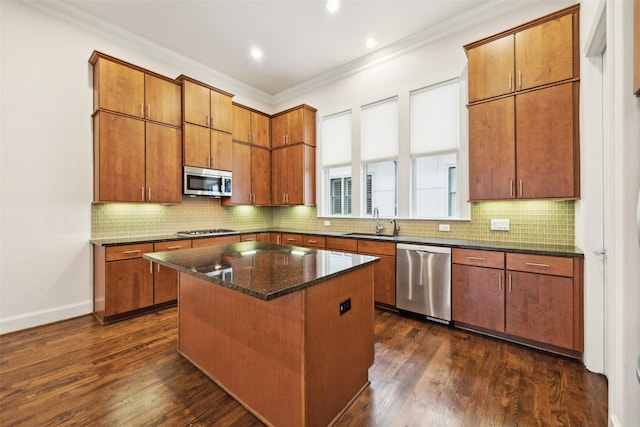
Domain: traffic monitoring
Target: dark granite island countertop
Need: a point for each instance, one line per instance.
(262, 270)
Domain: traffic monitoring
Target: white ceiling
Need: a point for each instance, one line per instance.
(303, 43)
(300, 39)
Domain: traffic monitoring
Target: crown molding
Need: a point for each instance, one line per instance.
(90, 23)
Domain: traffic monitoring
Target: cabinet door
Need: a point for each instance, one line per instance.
(278, 176)
(196, 103)
(163, 101)
(544, 53)
(241, 128)
(221, 150)
(278, 130)
(294, 179)
(129, 286)
(163, 164)
(118, 88)
(241, 191)
(492, 156)
(120, 147)
(260, 176)
(540, 307)
(384, 275)
(546, 151)
(477, 296)
(221, 111)
(197, 146)
(260, 130)
(491, 69)
(295, 124)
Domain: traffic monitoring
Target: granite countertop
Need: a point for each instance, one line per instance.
(536, 249)
(262, 270)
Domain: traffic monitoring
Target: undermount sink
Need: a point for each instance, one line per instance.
(366, 235)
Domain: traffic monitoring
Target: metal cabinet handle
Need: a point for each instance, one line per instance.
(149, 191)
(510, 283)
(520, 79)
(150, 267)
(142, 109)
(520, 188)
(142, 194)
(250, 239)
(535, 264)
(289, 239)
(312, 241)
(149, 110)
(171, 248)
(510, 188)
(476, 258)
(499, 281)
(510, 82)
(207, 120)
(131, 252)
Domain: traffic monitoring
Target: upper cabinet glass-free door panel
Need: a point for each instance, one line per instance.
(241, 124)
(163, 101)
(546, 147)
(491, 70)
(163, 164)
(221, 112)
(196, 103)
(260, 130)
(544, 53)
(118, 88)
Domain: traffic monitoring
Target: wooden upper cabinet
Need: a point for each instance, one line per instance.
(535, 54)
(293, 175)
(294, 126)
(261, 176)
(545, 53)
(250, 126)
(251, 173)
(491, 69)
(547, 148)
(125, 88)
(206, 106)
(492, 150)
(119, 158)
(163, 101)
(117, 87)
(221, 150)
(163, 167)
(197, 146)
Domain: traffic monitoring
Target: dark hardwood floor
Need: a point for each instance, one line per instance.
(78, 372)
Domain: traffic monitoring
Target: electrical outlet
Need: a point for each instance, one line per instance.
(327, 223)
(345, 306)
(444, 227)
(500, 224)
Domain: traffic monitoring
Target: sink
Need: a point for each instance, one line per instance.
(367, 235)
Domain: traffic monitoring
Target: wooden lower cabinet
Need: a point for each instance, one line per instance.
(535, 299)
(165, 280)
(212, 241)
(384, 270)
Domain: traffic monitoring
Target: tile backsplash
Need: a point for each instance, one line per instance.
(535, 222)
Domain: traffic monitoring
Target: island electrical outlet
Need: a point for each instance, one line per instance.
(345, 306)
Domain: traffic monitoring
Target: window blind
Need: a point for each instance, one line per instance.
(435, 116)
(336, 139)
(379, 130)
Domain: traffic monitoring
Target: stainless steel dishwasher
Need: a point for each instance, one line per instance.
(423, 280)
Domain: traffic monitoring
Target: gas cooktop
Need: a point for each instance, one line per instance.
(200, 233)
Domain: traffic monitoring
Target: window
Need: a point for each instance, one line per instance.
(340, 189)
(336, 159)
(379, 153)
(434, 142)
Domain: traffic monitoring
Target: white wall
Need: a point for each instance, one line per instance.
(46, 157)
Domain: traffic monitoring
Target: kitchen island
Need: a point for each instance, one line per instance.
(287, 331)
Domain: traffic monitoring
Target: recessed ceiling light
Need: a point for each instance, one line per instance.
(256, 53)
(333, 5)
(371, 43)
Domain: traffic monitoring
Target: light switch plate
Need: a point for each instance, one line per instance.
(444, 227)
(500, 224)
(327, 223)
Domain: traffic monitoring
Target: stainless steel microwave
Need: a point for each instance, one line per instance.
(206, 182)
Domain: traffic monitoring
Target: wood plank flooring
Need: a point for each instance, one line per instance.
(78, 372)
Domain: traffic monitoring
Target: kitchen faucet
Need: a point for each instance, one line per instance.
(376, 217)
(396, 229)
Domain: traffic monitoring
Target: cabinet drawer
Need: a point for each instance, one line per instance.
(291, 239)
(541, 264)
(341, 244)
(313, 241)
(172, 246)
(378, 248)
(248, 238)
(478, 258)
(115, 253)
(212, 241)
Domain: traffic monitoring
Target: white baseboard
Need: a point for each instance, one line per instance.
(43, 317)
